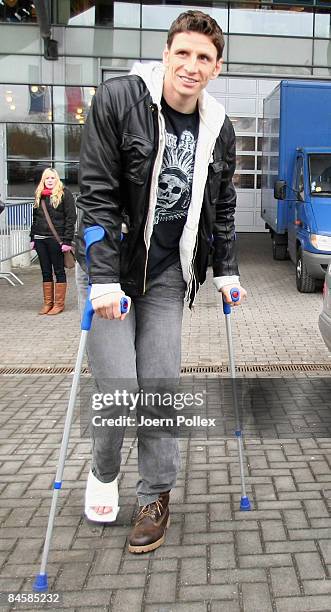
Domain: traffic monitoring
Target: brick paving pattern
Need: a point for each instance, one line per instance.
(277, 325)
(275, 558)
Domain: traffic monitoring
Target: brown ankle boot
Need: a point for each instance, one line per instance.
(150, 526)
(48, 290)
(60, 293)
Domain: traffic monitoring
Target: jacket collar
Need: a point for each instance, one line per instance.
(212, 113)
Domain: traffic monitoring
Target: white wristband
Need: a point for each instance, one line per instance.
(221, 281)
(99, 289)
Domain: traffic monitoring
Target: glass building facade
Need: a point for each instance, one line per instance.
(44, 104)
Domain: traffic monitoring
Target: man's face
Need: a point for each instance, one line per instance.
(191, 62)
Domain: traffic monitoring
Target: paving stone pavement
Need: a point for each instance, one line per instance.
(276, 558)
(277, 324)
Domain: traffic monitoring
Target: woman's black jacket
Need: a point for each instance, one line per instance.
(63, 218)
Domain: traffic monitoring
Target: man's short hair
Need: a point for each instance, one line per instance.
(197, 21)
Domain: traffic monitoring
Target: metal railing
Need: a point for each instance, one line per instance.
(15, 224)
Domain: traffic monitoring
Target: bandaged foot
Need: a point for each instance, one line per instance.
(101, 500)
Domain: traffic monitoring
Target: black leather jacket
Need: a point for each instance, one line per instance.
(119, 147)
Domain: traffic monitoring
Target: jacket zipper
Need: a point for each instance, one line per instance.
(192, 274)
(161, 148)
(191, 271)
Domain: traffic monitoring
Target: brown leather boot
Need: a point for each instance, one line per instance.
(48, 290)
(150, 526)
(60, 293)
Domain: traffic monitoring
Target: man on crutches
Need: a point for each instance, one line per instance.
(156, 168)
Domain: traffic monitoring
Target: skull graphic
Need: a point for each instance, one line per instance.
(173, 187)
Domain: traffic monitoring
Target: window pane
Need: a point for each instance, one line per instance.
(29, 141)
(21, 11)
(159, 15)
(27, 42)
(258, 181)
(245, 162)
(72, 104)
(288, 21)
(67, 139)
(271, 68)
(98, 12)
(243, 124)
(245, 143)
(30, 103)
(268, 126)
(114, 64)
(243, 181)
(323, 23)
(322, 50)
(320, 173)
(68, 173)
(23, 177)
(259, 49)
(95, 42)
(324, 72)
(126, 15)
(152, 44)
(259, 162)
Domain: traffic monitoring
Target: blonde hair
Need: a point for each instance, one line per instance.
(57, 192)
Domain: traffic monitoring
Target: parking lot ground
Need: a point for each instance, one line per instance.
(276, 558)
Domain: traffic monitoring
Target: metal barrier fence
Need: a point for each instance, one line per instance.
(15, 224)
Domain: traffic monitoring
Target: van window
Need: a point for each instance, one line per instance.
(299, 181)
(320, 174)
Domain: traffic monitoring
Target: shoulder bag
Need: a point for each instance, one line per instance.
(69, 257)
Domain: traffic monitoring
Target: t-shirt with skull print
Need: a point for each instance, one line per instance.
(174, 188)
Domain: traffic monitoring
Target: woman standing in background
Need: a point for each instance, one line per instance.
(60, 205)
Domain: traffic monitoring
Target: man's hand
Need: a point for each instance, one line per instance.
(109, 306)
(226, 293)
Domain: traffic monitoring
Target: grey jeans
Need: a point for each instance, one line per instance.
(145, 346)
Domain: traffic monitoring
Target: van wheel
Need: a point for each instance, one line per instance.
(305, 282)
(279, 251)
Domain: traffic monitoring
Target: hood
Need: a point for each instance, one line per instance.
(212, 113)
(321, 209)
(152, 74)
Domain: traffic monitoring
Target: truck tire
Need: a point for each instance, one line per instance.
(305, 282)
(279, 251)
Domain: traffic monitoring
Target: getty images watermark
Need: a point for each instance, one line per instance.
(207, 408)
(149, 406)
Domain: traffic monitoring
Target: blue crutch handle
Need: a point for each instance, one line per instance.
(235, 297)
(93, 234)
(89, 312)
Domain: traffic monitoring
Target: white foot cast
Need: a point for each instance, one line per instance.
(101, 494)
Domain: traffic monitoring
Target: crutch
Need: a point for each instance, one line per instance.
(92, 234)
(235, 296)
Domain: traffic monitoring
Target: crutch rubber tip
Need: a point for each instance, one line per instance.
(245, 504)
(40, 583)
